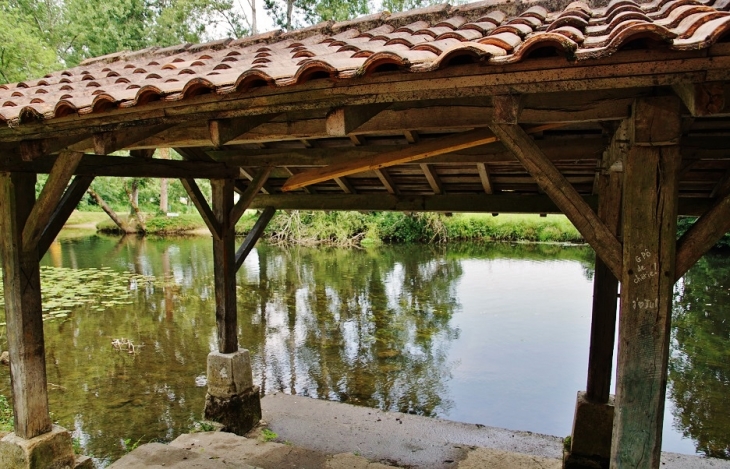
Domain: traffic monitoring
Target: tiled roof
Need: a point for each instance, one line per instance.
(417, 41)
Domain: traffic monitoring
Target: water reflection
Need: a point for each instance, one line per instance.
(699, 366)
(493, 333)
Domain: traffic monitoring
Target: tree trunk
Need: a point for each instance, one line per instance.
(289, 8)
(109, 211)
(254, 29)
(133, 195)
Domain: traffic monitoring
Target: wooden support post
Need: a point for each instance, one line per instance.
(224, 260)
(253, 236)
(605, 283)
(21, 278)
(652, 167)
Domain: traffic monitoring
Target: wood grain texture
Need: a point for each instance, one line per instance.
(647, 280)
(342, 121)
(45, 206)
(562, 193)
(109, 142)
(702, 99)
(23, 310)
(224, 267)
(222, 131)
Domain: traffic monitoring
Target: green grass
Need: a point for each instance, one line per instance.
(268, 435)
(86, 218)
(6, 415)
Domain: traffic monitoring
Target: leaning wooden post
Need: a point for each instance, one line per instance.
(35, 443)
(232, 398)
(594, 409)
(649, 243)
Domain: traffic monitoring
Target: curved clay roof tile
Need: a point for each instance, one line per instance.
(569, 20)
(495, 17)
(704, 36)
(690, 25)
(536, 11)
(506, 40)
(483, 27)
(520, 30)
(476, 50)
(463, 35)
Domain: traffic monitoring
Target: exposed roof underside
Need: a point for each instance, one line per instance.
(381, 84)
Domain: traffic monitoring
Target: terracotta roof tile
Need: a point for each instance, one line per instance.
(495, 31)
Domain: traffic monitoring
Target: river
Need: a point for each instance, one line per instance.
(495, 334)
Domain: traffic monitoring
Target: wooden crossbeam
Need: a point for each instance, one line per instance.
(196, 195)
(248, 175)
(408, 154)
(387, 181)
(433, 179)
(123, 166)
(248, 195)
(46, 204)
(702, 99)
(342, 121)
(702, 236)
(32, 149)
(71, 198)
(109, 142)
(223, 131)
(563, 194)
(484, 177)
(253, 236)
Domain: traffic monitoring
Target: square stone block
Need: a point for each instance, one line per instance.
(52, 450)
(229, 374)
(592, 428)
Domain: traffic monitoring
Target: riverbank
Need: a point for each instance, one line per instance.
(354, 228)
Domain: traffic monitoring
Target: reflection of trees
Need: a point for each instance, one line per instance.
(370, 328)
(699, 367)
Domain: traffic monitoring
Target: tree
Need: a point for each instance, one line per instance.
(291, 14)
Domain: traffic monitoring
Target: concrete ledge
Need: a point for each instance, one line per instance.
(52, 450)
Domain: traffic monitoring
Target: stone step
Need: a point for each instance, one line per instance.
(157, 455)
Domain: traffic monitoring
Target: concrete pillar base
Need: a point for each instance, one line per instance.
(590, 445)
(232, 399)
(52, 450)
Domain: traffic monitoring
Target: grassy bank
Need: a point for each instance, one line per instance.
(353, 228)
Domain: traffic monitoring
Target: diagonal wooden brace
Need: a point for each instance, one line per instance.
(248, 195)
(702, 236)
(71, 198)
(43, 209)
(253, 236)
(564, 195)
(195, 194)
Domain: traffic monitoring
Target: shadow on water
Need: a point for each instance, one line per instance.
(403, 328)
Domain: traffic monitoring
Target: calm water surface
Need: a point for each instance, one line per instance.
(495, 334)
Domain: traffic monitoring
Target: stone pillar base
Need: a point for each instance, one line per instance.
(590, 446)
(238, 414)
(52, 450)
(232, 399)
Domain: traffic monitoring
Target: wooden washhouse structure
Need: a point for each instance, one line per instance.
(615, 114)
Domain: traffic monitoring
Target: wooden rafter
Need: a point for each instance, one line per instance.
(484, 178)
(387, 181)
(248, 175)
(410, 153)
(432, 178)
(345, 185)
(563, 194)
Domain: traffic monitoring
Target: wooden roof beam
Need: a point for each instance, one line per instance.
(702, 99)
(342, 121)
(345, 185)
(564, 195)
(223, 131)
(408, 154)
(33, 149)
(109, 142)
(484, 177)
(433, 179)
(387, 181)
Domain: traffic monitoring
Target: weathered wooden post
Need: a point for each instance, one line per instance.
(652, 166)
(232, 398)
(594, 409)
(36, 443)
